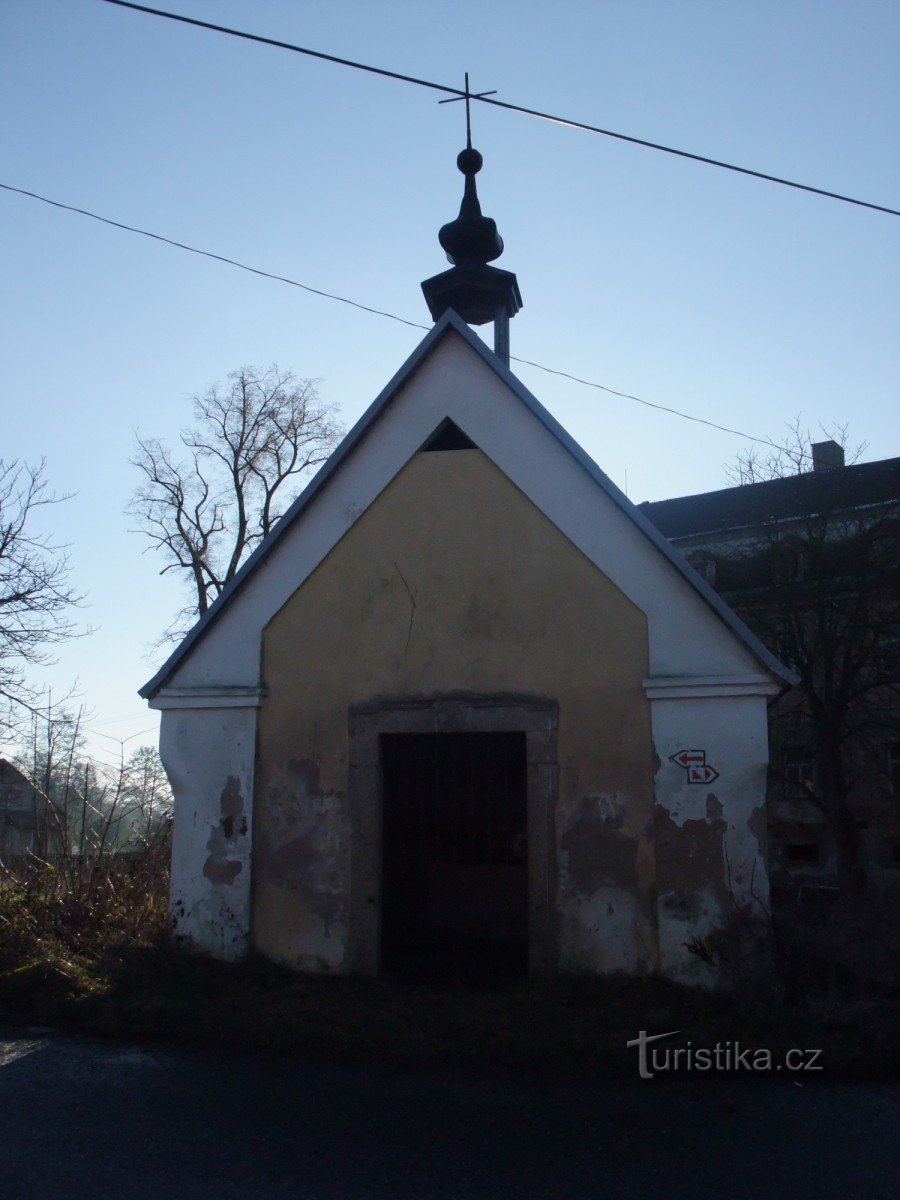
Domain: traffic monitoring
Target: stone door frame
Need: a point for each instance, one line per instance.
(535, 716)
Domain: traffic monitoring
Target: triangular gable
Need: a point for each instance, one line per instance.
(449, 436)
(450, 326)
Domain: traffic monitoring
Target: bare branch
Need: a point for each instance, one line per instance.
(36, 596)
(790, 454)
(824, 593)
(250, 447)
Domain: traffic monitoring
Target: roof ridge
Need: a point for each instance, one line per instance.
(791, 480)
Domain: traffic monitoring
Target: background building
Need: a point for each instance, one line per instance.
(812, 563)
(27, 823)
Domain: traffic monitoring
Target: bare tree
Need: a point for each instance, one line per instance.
(829, 604)
(36, 596)
(148, 797)
(790, 456)
(250, 445)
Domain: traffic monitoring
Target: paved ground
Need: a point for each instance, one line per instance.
(120, 1122)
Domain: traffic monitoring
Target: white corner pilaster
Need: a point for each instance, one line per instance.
(207, 746)
(711, 741)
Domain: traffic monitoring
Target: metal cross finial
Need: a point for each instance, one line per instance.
(467, 96)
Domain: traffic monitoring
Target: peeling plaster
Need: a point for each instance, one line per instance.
(232, 801)
(607, 932)
(302, 855)
(690, 857)
(758, 826)
(598, 853)
(714, 808)
(219, 868)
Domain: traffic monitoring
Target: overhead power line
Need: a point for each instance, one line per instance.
(158, 237)
(379, 312)
(567, 122)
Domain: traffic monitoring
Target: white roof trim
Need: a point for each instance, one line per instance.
(679, 687)
(208, 697)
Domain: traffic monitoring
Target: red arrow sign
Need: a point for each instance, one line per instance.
(689, 758)
(702, 774)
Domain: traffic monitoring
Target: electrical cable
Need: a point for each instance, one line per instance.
(158, 237)
(566, 122)
(231, 262)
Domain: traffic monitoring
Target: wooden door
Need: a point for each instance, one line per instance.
(454, 865)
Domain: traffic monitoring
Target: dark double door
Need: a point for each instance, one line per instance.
(454, 866)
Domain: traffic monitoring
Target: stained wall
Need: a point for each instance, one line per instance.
(453, 582)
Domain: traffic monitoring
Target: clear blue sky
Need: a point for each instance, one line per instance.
(732, 299)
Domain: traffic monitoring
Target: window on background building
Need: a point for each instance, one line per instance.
(789, 560)
(801, 854)
(799, 772)
(705, 566)
(886, 543)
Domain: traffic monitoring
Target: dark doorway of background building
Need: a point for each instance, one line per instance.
(454, 866)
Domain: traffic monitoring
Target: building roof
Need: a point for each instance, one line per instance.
(11, 777)
(449, 325)
(841, 490)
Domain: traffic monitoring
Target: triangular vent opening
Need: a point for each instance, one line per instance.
(449, 436)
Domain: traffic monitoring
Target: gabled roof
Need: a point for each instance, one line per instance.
(841, 490)
(452, 325)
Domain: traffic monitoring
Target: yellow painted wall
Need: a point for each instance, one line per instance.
(453, 581)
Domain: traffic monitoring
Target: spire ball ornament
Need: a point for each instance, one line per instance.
(469, 161)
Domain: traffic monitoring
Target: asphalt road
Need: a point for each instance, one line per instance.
(122, 1122)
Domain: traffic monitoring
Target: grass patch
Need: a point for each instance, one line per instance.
(96, 958)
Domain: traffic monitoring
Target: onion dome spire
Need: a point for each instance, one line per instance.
(471, 238)
(477, 292)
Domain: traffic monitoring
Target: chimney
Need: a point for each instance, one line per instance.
(827, 456)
